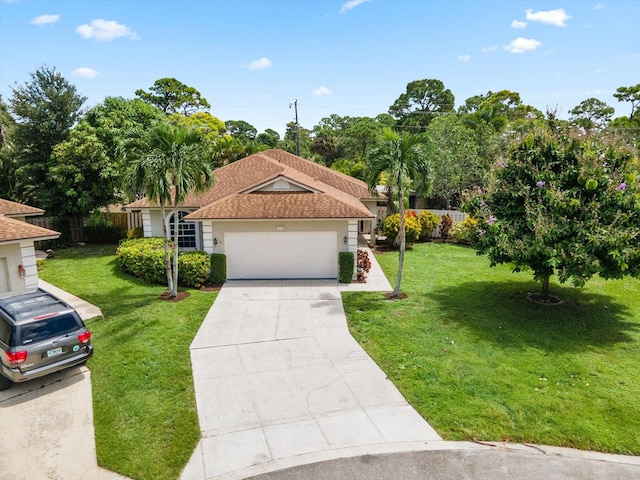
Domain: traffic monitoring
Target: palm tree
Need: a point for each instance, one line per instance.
(167, 162)
(403, 157)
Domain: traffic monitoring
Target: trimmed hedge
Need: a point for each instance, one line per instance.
(218, 267)
(144, 258)
(345, 266)
(193, 268)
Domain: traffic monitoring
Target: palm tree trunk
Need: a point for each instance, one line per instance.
(174, 279)
(167, 257)
(401, 234)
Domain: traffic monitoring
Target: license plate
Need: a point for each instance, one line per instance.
(54, 352)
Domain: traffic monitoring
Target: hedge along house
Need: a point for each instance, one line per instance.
(18, 270)
(274, 215)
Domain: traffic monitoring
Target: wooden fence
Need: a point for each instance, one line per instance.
(75, 233)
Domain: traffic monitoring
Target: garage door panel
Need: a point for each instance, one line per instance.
(281, 255)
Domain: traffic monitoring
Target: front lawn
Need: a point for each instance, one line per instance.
(143, 399)
(479, 361)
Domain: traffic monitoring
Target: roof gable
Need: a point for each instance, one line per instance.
(260, 174)
(12, 230)
(11, 209)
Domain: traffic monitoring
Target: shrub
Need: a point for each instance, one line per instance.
(364, 265)
(144, 258)
(428, 222)
(135, 233)
(193, 268)
(345, 265)
(392, 225)
(463, 232)
(104, 234)
(445, 227)
(218, 267)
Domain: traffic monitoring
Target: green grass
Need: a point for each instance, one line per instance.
(479, 361)
(143, 398)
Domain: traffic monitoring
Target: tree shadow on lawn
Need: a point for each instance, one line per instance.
(499, 312)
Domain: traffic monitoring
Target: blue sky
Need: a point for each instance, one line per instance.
(251, 59)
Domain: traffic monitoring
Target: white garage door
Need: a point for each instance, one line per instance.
(281, 255)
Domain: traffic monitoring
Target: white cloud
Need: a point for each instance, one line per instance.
(599, 6)
(351, 4)
(522, 45)
(105, 30)
(259, 64)
(489, 49)
(554, 17)
(321, 91)
(85, 72)
(518, 24)
(464, 58)
(45, 19)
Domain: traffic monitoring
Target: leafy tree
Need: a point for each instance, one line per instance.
(86, 167)
(211, 127)
(8, 164)
(351, 167)
(289, 141)
(361, 133)
(172, 96)
(241, 130)
(455, 158)
(403, 157)
(167, 163)
(421, 103)
(562, 203)
(496, 110)
(270, 138)
(45, 109)
(326, 144)
(629, 94)
(591, 113)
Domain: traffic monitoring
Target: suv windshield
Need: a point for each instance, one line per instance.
(47, 328)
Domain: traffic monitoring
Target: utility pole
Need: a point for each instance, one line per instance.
(295, 104)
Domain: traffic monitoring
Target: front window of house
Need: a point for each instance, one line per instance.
(186, 231)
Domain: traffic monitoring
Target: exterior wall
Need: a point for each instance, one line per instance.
(367, 226)
(29, 263)
(152, 225)
(24, 254)
(213, 231)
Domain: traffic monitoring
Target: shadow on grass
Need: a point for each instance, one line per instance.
(499, 312)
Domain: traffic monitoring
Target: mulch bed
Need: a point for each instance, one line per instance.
(210, 287)
(401, 296)
(181, 296)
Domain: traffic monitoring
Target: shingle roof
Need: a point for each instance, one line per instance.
(13, 230)
(338, 195)
(10, 209)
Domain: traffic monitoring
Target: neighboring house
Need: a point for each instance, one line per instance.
(18, 271)
(274, 215)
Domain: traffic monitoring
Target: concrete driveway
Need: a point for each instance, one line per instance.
(279, 379)
(46, 429)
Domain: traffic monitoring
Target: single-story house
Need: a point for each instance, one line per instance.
(18, 271)
(274, 215)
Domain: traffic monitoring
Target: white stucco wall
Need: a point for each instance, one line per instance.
(15, 254)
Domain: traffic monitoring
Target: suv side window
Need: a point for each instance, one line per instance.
(47, 328)
(5, 332)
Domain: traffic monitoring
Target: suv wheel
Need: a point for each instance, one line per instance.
(5, 383)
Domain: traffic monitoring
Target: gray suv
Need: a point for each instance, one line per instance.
(39, 334)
